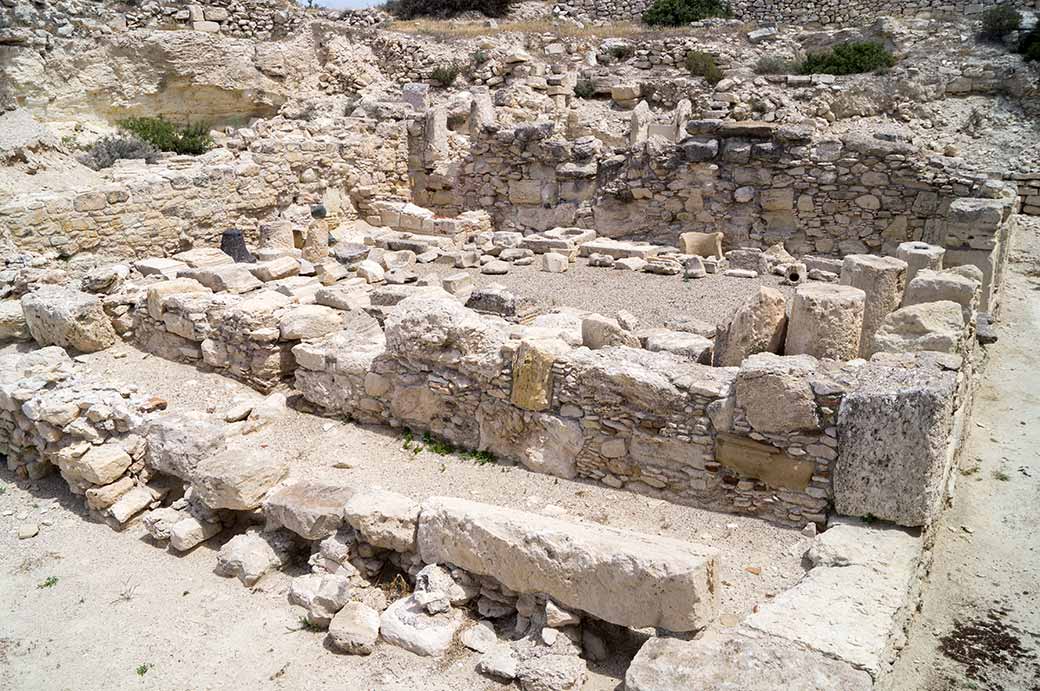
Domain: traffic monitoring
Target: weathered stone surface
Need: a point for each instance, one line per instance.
(100, 498)
(56, 315)
(883, 280)
(739, 660)
(598, 332)
(160, 522)
(12, 322)
(178, 441)
(685, 345)
(298, 322)
(758, 326)
(385, 519)
(406, 624)
(158, 292)
(623, 577)
(826, 321)
(701, 244)
(776, 394)
(280, 267)
(547, 443)
(532, 373)
(894, 433)
(130, 504)
(322, 595)
(101, 465)
(920, 255)
(354, 629)
(237, 479)
(200, 257)
(851, 612)
(935, 326)
(767, 463)
(312, 510)
(935, 286)
(252, 555)
(232, 278)
(190, 532)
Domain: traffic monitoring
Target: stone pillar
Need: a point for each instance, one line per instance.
(826, 321)
(920, 255)
(883, 279)
(435, 133)
(640, 124)
(481, 111)
(316, 244)
(277, 235)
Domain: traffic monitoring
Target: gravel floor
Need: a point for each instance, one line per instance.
(345, 452)
(652, 298)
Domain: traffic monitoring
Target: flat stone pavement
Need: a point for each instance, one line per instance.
(981, 603)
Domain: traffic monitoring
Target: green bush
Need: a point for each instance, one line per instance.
(410, 9)
(584, 88)
(445, 75)
(107, 151)
(774, 64)
(849, 58)
(166, 136)
(480, 57)
(682, 12)
(621, 52)
(701, 64)
(1030, 46)
(999, 21)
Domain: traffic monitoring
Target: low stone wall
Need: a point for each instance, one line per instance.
(819, 12)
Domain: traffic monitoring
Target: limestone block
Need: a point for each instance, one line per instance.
(354, 629)
(231, 278)
(56, 315)
(252, 555)
(920, 255)
(384, 519)
(758, 326)
(177, 441)
(893, 432)
(545, 443)
(313, 510)
(100, 498)
(826, 321)
(686, 345)
(406, 624)
(701, 244)
(161, 266)
(371, 271)
(764, 462)
(237, 479)
(101, 465)
(532, 373)
(158, 292)
(280, 267)
(130, 504)
(554, 263)
(639, 124)
(742, 660)
(459, 285)
(931, 326)
(776, 394)
(936, 286)
(201, 257)
(190, 532)
(12, 322)
(622, 577)
(598, 332)
(883, 280)
(298, 322)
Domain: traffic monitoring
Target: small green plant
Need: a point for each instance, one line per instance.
(107, 151)
(166, 136)
(621, 52)
(307, 625)
(143, 669)
(3, 490)
(445, 75)
(682, 12)
(481, 457)
(49, 582)
(849, 58)
(584, 88)
(437, 446)
(775, 64)
(480, 57)
(970, 470)
(870, 519)
(1029, 46)
(1001, 475)
(701, 64)
(999, 21)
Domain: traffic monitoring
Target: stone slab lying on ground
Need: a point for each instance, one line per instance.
(738, 660)
(56, 315)
(626, 578)
(312, 510)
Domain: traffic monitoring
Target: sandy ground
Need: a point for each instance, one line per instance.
(193, 629)
(653, 299)
(983, 595)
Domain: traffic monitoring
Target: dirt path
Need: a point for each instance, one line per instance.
(979, 624)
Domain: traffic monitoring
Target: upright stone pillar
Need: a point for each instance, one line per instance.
(276, 235)
(883, 279)
(920, 255)
(316, 244)
(826, 321)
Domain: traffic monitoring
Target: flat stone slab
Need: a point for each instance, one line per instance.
(620, 249)
(738, 660)
(626, 578)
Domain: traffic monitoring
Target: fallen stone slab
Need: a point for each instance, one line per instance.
(384, 519)
(738, 660)
(354, 629)
(620, 249)
(312, 510)
(406, 624)
(623, 577)
(237, 479)
(252, 555)
(56, 315)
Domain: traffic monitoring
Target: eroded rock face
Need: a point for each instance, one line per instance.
(237, 479)
(757, 326)
(622, 577)
(56, 315)
(935, 326)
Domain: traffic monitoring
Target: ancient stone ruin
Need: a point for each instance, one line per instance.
(765, 297)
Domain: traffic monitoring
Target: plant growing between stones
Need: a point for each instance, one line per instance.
(999, 21)
(775, 64)
(1001, 476)
(584, 88)
(621, 52)
(107, 151)
(166, 136)
(445, 75)
(1029, 46)
(681, 12)
(702, 64)
(856, 57)
(480, 57)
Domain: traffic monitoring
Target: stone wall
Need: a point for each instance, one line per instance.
(818, 12)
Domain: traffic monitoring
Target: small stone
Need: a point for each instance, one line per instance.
(354, 629)
(480, 637)
(28, 530)
(499, 662)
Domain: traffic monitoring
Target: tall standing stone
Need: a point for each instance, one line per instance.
(826, 321)
(316, 245)
(883, 279)
(918, 256)
(757, 327)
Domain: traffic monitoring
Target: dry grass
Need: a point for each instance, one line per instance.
(446, 29)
